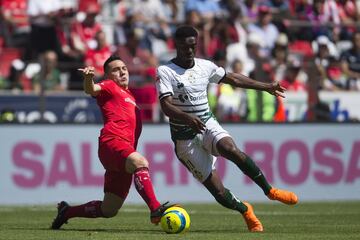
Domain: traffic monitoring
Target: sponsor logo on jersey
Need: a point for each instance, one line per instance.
(184, 98)
(197, 98)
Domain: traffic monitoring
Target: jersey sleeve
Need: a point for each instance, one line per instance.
(163, 84)
(216, 73)
(106, 88)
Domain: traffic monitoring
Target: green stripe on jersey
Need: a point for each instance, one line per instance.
(183, 132)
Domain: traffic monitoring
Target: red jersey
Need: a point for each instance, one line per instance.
(120, 113)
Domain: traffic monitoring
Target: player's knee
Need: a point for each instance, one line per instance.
(136, 162)
(109, 212)
(142, 162)
(229, 149)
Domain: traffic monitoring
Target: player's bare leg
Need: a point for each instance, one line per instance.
(111, 205)
(228, 149)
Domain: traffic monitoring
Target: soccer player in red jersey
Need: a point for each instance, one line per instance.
(117, 148)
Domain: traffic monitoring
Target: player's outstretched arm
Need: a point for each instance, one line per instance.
(239, 80)
(89, 86)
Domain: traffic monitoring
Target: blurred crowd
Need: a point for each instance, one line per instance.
(307, 45)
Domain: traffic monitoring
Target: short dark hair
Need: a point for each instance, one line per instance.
(109, 60)
(185, 31)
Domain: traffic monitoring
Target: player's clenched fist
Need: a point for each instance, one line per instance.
(195, 123)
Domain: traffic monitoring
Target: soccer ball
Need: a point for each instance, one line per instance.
(175, 220)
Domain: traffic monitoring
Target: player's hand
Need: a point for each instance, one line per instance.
(195, 123)
(87, 72)
(276, 89)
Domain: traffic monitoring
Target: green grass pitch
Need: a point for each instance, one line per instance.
(321, 220)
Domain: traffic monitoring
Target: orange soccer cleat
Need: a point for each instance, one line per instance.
(252, 222)
(283, 196)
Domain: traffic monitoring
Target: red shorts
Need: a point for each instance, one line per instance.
(113, 154)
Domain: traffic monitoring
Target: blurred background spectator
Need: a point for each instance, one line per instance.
(295, 42)
(18, 80)
(351, 63)
(231, 102)
(294, 77)
(14, 22)
(84, 29)
(279, 57)
(43, 17)
(48, 78)
(265, 29)
(97, 56)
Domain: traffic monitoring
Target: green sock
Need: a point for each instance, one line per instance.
(251, 170)
(231, 202)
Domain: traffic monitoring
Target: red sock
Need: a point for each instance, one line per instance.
(145, 188)
(88, 210)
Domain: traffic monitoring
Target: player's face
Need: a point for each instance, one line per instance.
(186, 49)
(118, 72)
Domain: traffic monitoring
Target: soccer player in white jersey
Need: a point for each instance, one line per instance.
(182, 87)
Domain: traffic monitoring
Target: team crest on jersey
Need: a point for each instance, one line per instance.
(180, 85)
(183, 98)
(130, 101)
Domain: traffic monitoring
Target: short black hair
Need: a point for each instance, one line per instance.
(109, 60)
(185, 31)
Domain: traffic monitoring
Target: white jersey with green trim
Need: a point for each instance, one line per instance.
(188, 88)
